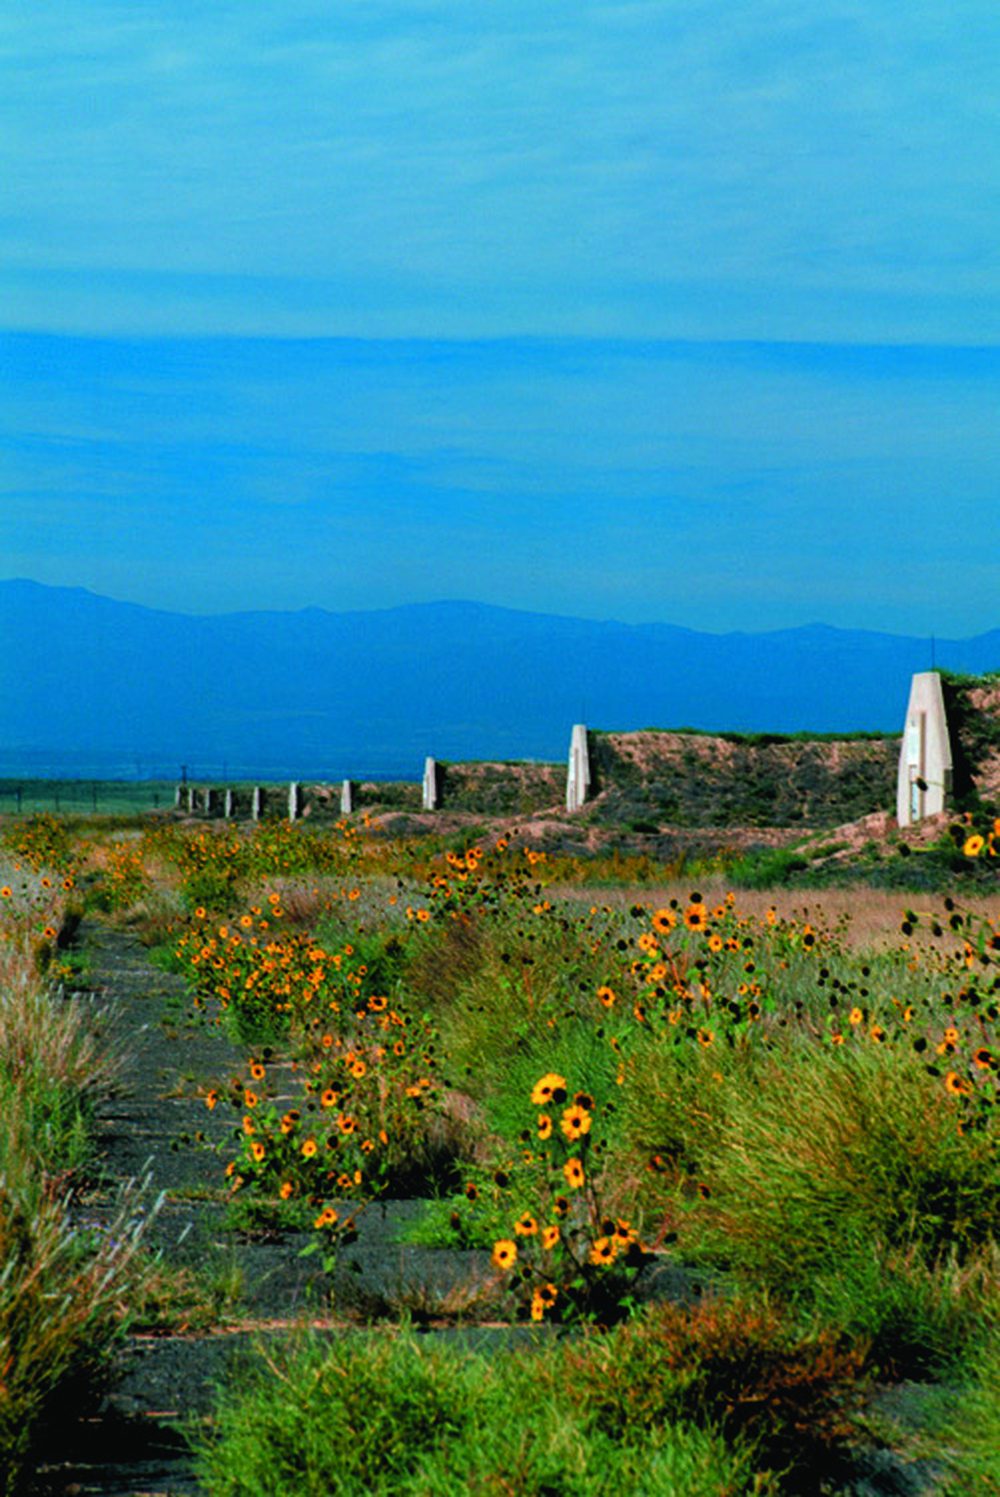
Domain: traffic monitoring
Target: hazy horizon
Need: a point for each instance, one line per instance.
(477, 603)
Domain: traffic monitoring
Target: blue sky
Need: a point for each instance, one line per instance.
(681, 311)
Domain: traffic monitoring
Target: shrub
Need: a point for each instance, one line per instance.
(738, 1366)
(386, 1415)
(770, 869)
(843, 1182)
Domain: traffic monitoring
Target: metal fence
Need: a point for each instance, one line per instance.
(25, 797)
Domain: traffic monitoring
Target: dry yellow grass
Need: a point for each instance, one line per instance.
(869, 918)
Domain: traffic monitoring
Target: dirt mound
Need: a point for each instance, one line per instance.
(702, 780)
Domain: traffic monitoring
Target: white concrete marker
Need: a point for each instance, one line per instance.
(430, 784)
(925, 763)
(578, 779)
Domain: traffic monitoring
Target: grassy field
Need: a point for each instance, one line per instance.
(27, 797)
(788, 1096)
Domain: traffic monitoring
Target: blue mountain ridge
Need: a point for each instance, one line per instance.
(372, 692)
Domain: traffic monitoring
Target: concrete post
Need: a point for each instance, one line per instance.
(346, 798)
(209, 801)
(227, 803)
(925, 762)
(178, 797)
(257, 802)
(430, 784)
(293, 800)
(578, 777)
(192, 799)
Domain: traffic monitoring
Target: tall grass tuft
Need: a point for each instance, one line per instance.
(61, 1292)
(845, 1184)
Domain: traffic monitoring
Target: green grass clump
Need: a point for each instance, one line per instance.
(966, 1418)
(845, 1185)
(769, 869)
(390, 1414)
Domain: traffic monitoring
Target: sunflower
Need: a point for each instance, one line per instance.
(607, 996)
(257, 1150)
(696, 917)
(543, 1299)
(715, 941)
(664, 921)
(550, 1236)
(504, 1254)
(575, 1123)
(309, 1148)
(648, 942)
(526, 1226)
(547, 1089)
(326, 1218)
(257, 1070)
(286, 1189)
(573, 1171)
(603, 1252)
(974, 845)
(544, 1125)
(956, 1085)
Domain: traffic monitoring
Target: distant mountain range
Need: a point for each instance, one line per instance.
(91, 683)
